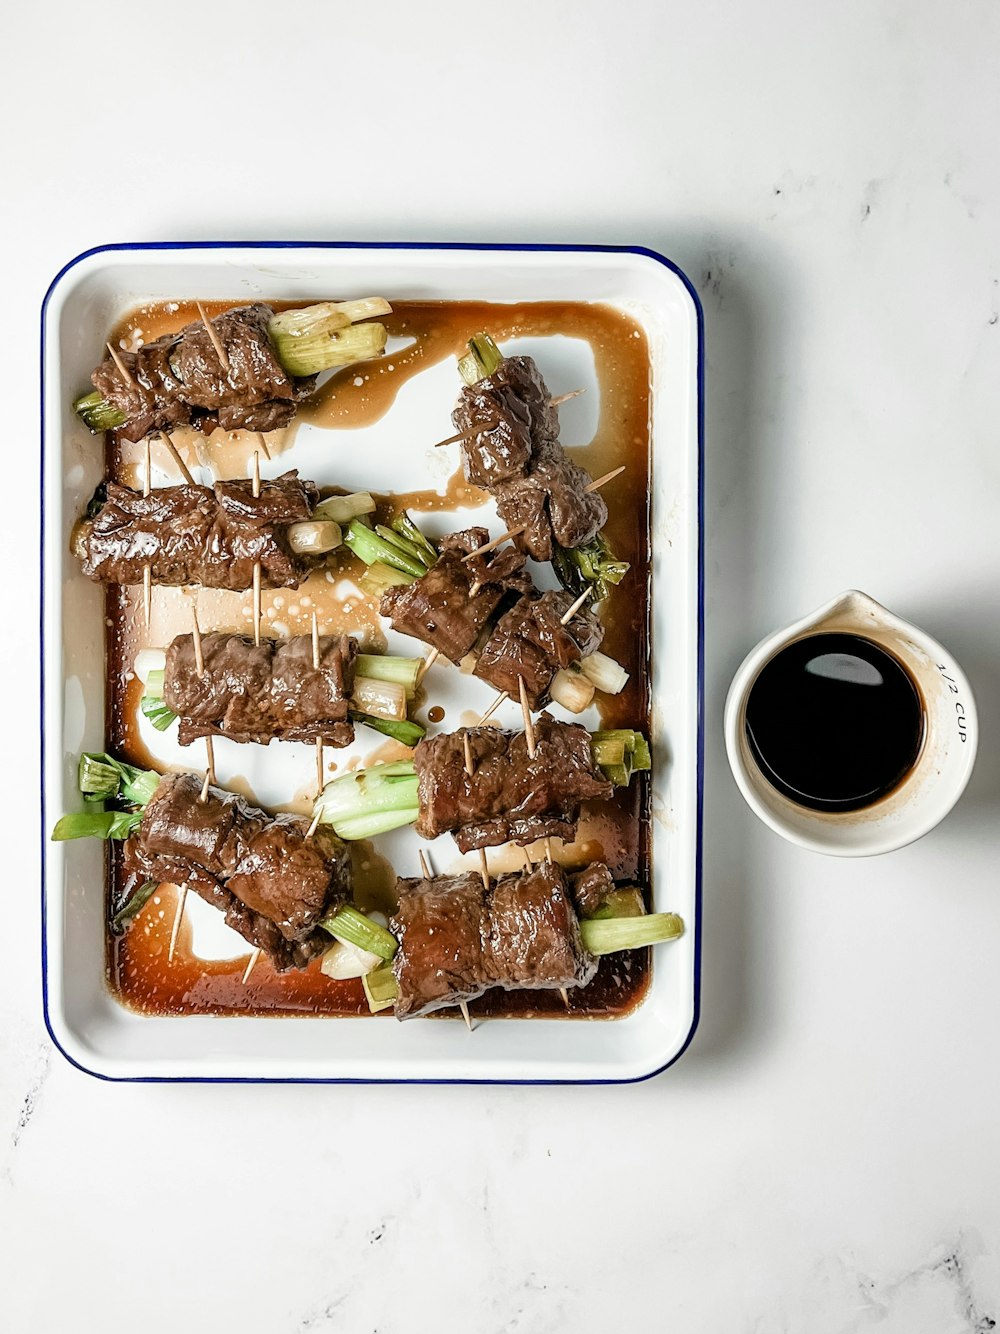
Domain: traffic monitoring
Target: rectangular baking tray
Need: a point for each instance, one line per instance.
(87, 1024)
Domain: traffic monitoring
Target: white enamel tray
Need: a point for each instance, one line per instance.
(90, 1027)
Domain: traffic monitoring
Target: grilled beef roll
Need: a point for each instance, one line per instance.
(197, 535)
(273, 884)
(457, 939)
(517, 457)
(441, 609)
(530, 642)
(178, 380)
(261, 692)
(510, 796)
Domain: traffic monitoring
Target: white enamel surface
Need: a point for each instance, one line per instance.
(395, 454)
(943, 767)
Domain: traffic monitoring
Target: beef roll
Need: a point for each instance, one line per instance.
(457, 939)
(179, 379)
(197, 535)
(510, 796)
(441, 608)
(517, 457)
(530, 642)
(273, 884)
(261, 692)
(513, 407)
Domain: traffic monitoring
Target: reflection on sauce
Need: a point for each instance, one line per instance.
(137, 963)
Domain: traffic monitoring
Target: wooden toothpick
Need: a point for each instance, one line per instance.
(263, 445)
(564, 398)
(608, 476)
(122, 369)
(256, 565)
(178, 916)
(147, 569)
(184, 470)
(565, 620)
(481, 428)
(496, 542)
(199, 662)
(493, 707)
(427, 664)
(319, 739)
(220, 351)
(251, 965)
(529, 726)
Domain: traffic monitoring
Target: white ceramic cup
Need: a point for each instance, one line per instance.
(932, 786)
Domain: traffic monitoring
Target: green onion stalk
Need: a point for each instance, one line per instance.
(384, 796)
(354, 928)
(594, 566)
(100, 779)
(306, 342)
(133, 905)
(396, 553)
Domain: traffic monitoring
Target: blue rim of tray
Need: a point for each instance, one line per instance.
(510, 246)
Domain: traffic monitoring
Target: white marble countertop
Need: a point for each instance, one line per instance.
(825, 1157)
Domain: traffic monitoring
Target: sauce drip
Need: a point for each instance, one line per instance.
(834, 722)
(138, 970)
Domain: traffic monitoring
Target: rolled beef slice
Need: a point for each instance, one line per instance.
(513, 407)
(197, 535)
(261, 692)
(530, 643)
(179, 378)
(510, 796)
(272, 882)
(458, 939)
(551, 503)
(440, 608)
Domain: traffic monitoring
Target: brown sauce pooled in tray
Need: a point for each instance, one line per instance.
(137, 966)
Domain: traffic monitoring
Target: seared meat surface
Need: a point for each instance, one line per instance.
(440, 957)
(512, 405)
(272, 882)
(551, 502)
(510, 796)
(590, 888)
(441, 609)
(458, 939)
(178, 379)
(529, 641)
(197, 535)
(259, 692)
(517, 457)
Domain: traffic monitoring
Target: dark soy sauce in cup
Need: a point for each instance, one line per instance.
(834, 722)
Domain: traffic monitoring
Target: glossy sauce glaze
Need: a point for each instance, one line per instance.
(617, 832)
